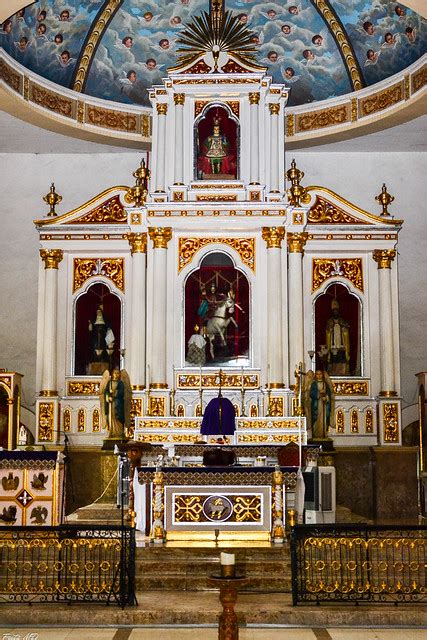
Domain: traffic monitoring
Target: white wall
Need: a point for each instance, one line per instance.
(25, 178)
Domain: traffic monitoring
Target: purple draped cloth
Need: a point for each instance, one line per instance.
(219, 418)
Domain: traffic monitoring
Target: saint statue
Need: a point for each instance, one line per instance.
(115, 396)
(319, 404)
(102, 342)
(216, 158)
(337, 343)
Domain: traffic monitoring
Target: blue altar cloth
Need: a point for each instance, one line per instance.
(219, 418)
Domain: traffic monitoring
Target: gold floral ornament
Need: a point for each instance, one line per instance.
(349, 268)
(385, 199)
(138, 193)
(245, 247)
(52, 199)
(297, 194)
(111, 268)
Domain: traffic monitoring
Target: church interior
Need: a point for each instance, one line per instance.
(213, 366)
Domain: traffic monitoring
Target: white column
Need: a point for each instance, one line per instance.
(179, 99)
(51, 259)
(162, 110)
(273, 237)
(296, 242)
(138, 244)
(254, 139)
(160, 237)
(384, 259)
(274, 146)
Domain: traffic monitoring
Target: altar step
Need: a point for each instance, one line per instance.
(186, 568)
(96, 513)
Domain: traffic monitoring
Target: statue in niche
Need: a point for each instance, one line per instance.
(196, 352)
(337, 342)
(319, 404)
(115, 396)
(217, 146)
(102, 343)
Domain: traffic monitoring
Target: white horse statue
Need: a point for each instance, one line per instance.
(219, 322)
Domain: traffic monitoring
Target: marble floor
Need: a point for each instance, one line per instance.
(210, 633)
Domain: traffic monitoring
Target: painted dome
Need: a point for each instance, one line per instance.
(116, 50)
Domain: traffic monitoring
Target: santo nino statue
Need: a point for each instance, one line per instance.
(215, 157)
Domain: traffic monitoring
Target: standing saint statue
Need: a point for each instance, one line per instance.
(102, 338)
(337, 343)
(115, 396)
(319, 404)
(216, 157)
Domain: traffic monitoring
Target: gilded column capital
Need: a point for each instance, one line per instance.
(138, 242)
(179, 98)
(51, 257)
(254, 97)
(384, 257)
(160, 236)
(296, 242)
(273, 236)
(162, 108)
(274, 108)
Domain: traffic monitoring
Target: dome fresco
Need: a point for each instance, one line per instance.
(296, 41)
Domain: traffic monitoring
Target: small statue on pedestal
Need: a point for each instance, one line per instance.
(102, 338)
(319, 404)
(115, 396)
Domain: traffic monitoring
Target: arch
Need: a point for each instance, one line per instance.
(338, 305)
(86, 361)
(223, 163)
(216, 281)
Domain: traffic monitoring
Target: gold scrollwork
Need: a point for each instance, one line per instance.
(323, 118)
(111, 119)
(51, 101)
(266, 423)
(391, 422)
(81, 420)
(234, 106)
(251, 438)
(369, 421)
(382, 100)
(96, 426)
(351, 388)
(276, 407)
(82, 388)
(187, 247)
(109, 212)
(169, 424)
(111, 268)
(419, 79)
(212, 380)
(354, 421)
(273, 236)
(324, 212)
(46, 421)
(67, 420)
(217, 198)
(8, 75)
(339, 421)
(156, 406)
(325, 268)
(290, 125)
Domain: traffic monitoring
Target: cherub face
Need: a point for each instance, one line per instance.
(151, 63)
(132, 76)
(7, 26)
(23, 43)
(272, 56)
(164, 43)
(371, 54)
(59, 38)
(400, 11)
(289, 73)
(176, 20)
(65, 56)
(271, 14)
(286, 29)
(41, 16)
(148, 16)
(369, 28)
(308, 54)
(128, 42)
(243, 18)
(388, 38)
(317, 40)
(41, 29)
(293, 10)
(64, 15)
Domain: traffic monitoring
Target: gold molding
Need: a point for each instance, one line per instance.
(82, 388)
(179, 98)
(160, 236)
(387, 394)
(158, 385)
(296, 242)
(217, 198)
(382, 99)
(211, 380)
(391, 422)
(48, 393)
(111, 268)
(138, 242)
(187, 247)
(357, 209)
(273, 236)
(51, 257)
(94, 36)
(325, 268)
(384, 257)
(110, 211)
(351, 387)
(325, 212)
(46, 421)
(329, 117)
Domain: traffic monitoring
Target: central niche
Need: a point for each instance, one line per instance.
(216, 145)
(217, 314)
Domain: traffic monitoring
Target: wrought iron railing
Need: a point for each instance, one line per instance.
(68, 563)
(359, 563)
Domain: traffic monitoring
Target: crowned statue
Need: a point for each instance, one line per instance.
(216, 156)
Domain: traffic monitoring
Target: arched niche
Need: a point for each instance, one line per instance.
(97, 344)
(337, 314)
(216, 284)
(216, 144)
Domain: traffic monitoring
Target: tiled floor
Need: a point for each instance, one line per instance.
(209, 633)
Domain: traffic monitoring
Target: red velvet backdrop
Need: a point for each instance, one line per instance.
(350, 311)
(221, 276)
(86, 307)
(227, 126)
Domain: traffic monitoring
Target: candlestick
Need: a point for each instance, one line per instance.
(228, 567)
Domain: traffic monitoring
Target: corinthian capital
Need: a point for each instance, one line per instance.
(384, 258)
(296, 242)
(138, 242)
(273, 236)
(160, 236)
(51, 257)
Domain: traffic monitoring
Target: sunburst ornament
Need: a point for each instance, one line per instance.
(216, 33)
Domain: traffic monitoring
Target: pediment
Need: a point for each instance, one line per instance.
(328, 208)
(106, 208)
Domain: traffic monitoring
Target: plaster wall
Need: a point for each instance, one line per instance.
(25, 178)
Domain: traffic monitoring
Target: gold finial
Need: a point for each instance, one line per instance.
(297, 194)
(138, 193)
(384, 198)
(52, 199)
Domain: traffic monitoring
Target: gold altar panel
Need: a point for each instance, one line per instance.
(187, 247)
(260, 438)
(156, 406)
(391, 422)
(339, 421)
(46, 421)
(369, 421)
(111, 268)
(83, 388)
(354, 421)
(265, 423)
(351, 387)
(323, 118)
(159, 438)
(325, 268)
(276, 406)
(324, 212)
(110, 211)
(206, 508)
(212, 381)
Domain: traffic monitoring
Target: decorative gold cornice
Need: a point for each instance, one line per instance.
(273, 236)
(274, 109)
(51, 257)
(343, 42)
(162, 108)
(382, 99)
(94, 36)
(330, 117)
(160, 236)
(296, 242)
(254, 97)
(187, 247)
(325, 268)
(179, 98)
(109, 211)
(324, 212)
(111, 268)
(384, 257)
(138, 242)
